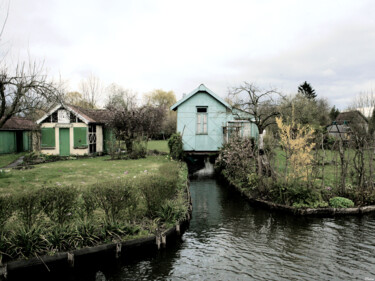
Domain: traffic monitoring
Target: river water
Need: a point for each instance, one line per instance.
(230, 240)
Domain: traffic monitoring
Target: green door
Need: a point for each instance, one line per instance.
(64, 142)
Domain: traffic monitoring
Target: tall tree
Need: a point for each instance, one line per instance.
(91, 89)
(161, 98)
(306, 90)
(24, 91)
(118, 97)
(334, 113)
(306, 111)
(164, 100)
(261, 106)
(76, 98)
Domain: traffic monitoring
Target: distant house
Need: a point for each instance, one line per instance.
(206, 121)
(17, 135)
(348, 123)
(72, 130)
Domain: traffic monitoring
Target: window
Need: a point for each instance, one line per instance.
(48, 137)
(92, 138)
(201, 120)
(80, 137)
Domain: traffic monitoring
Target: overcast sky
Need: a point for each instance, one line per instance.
(177, 45)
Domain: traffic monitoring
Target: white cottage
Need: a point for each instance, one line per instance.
(72, 130)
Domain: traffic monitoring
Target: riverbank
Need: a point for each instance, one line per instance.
(66, 219)
(319, 212)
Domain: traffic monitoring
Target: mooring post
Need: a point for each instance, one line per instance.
(118, 250)
(163, 241)
(178, 230)
(158, 241)
(71, 259)
(3, 272)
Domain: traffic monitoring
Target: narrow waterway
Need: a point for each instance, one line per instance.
(229, 240)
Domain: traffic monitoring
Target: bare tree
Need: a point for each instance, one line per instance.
(25, 91)
(260, 104)
(260, 107)
(91, 89)
(364, 102)
(132, 124)
(118, 97)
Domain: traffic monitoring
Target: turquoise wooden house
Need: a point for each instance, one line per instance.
(206, 121)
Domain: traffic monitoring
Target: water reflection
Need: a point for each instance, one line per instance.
(228, 239)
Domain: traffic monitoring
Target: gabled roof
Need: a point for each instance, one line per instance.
(201, 88)
(351, 117)
(86, 115)
(19, 123)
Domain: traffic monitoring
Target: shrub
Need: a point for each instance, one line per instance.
(62, 238)
(113, 198)
(27, 242)
(156, 189)
(59, 203)
(28, 207)
(176, 147)
(171, 211)
(341, 202)
(139, 150)
(237, 160)
(6, 209)
(88, 205)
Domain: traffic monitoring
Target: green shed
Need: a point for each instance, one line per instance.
(206, 121)
(16, 135)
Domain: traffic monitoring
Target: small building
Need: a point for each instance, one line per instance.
(206, 121)
(72, 130)
(18, 134)
(348, 123)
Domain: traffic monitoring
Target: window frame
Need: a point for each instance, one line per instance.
(202, 120)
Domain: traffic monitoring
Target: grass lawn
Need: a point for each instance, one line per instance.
(80, 172)
(6, 159)
(160, 145)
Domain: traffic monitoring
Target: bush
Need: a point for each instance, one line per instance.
(341, 202)
(27, 242)
(6, 209)
(28, 207)
(139, 150)
(237, 160)
(59, 203)
(156, 189)
(171, 211)
(89, 204)
(176, 147)
(113, 197)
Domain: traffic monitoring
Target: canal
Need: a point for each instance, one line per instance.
(229, 240)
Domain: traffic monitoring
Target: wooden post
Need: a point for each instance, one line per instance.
(118, 250)
(178, 230)
(158, 241)
(3, 272)
(71, 259)
(163, 241)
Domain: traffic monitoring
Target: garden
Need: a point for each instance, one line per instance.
(71, 204)
(302, 167)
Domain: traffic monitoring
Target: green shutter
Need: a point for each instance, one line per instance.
(8, 142)
(80, 137)
(48, 137)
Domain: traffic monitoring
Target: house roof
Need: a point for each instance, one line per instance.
(351, 117)
(19, 123)
(201, 88)
(87, 115)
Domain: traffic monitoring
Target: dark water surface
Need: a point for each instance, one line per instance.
(229, 240)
